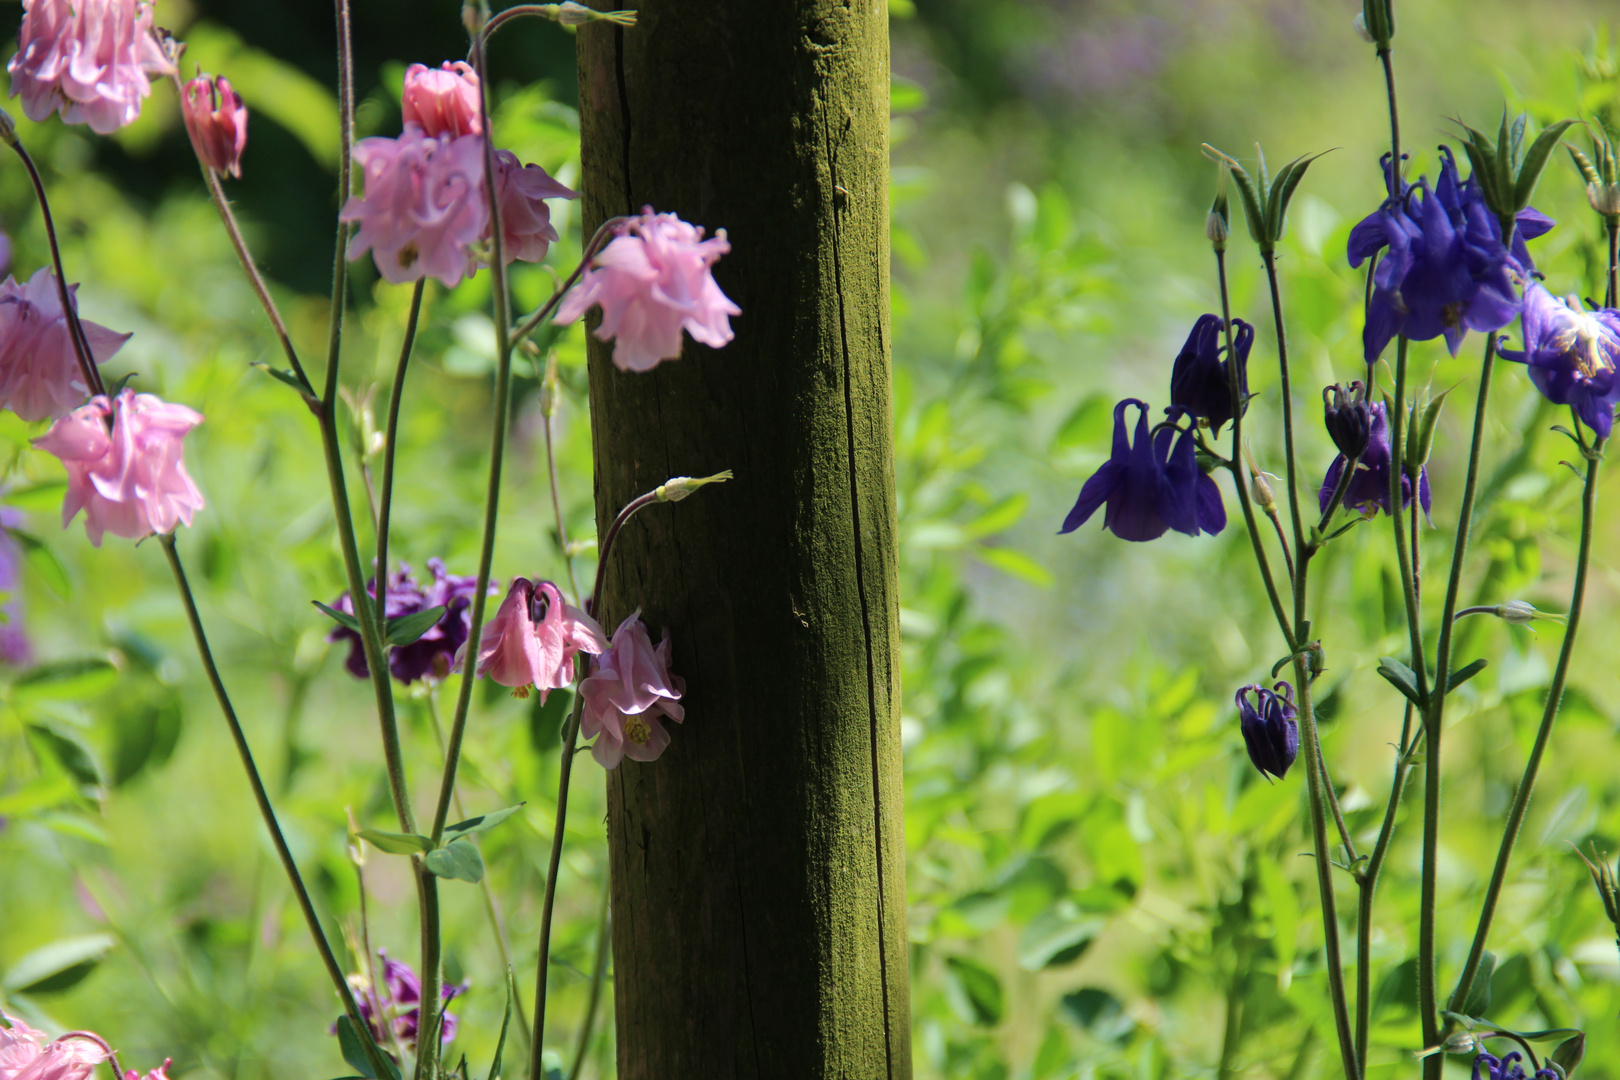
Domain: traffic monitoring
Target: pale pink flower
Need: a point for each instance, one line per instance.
(25, 1055)
(91, 60)
(442, 102)
(652, 281)
(534, 638)
(631, 689)
(216, 120)
(424, 206)
(526, 231)
(130, 481)
(39, 370)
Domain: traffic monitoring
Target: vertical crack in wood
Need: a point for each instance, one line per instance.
(860, 587)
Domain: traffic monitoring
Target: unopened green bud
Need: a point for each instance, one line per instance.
(1584, 164)
(1376, 22)
(679, 487)
(1218, 226)
(8, 129)
(1420, 439)
(548, 388)
(1519, 613)
(571, 14)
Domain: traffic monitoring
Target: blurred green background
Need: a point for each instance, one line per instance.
(1097, 872)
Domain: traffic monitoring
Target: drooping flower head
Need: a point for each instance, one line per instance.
(1348, 416)
(131, 481)
(1444, 270)
(1369, 487)
(403, 596)
(1200, 381)
(652, 281)
(216, 120)
(432, 654)
(1269, 729)
(397, 1003)
(534, 637)
(1573, 355)
(1506, 1068)
(424, 207)
(629, 692)
(442, 101)
(90, 60)
(26, 1055)
(40, 376)
(522, 190)
(1149, 487)
(159, 1073)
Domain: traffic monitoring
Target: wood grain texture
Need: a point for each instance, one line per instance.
(758, 867)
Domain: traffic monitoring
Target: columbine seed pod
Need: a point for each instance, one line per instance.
(1604, 198)
(1420, 437)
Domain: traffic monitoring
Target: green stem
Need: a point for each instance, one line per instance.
(1385, 58)
(385, 502)
(604, 232)
(1238, 470)
(1270, 258)
(1555, 696)
(1397, 498)
(266, 811)
(1369, 889)
(548, 412)
(1611, 297)
(604, 944)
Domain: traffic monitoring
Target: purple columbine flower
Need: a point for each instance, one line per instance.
(1506, 1068)
(399, 1000)
(1369, 487)
(1201, 381)
(1269, 729)
(1150, 488)
(1348, 417)
(15, 648)
(1573, 355)
(434, 652)
(1444, 269)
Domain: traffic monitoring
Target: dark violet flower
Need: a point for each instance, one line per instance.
(1348, 417)
(1369, 487)
(1150, 488)
(399, 1000)
(404, 597)
(1572, 355)
(1506, 1068)
(15, 648)
(1200, 382)
(1269, 729)
(1444, 270)
(431, 654)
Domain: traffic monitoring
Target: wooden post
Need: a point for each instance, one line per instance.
(759, 900)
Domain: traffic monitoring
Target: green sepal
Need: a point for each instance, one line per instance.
(1504, 163)
(1252, 199)
(1378, 19)
(348, 622)
(459, 859)
(1417, 450)
(395, 843)
(1281, 193)
(1569, 1054)
(280, 375)
(1535, 160)
(480, 823)
(1466, 673)
(404, 629)
(1401, 678)
(354, 1052)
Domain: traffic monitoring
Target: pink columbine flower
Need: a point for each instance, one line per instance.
(652, 281)
(39, 370)
(159, 1073)
(216, 120)
(424, 206)
(442, 102)
(25, 1055)
(131, 481)
(90, 60)
(534, 638)
(526, 231)
(625, 697)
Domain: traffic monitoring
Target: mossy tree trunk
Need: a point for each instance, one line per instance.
(759, 902)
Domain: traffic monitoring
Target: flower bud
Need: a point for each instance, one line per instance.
(1270, 730)
(1377, 22)
(442, 101)
(570, 13)
(1348, 418)
(1420, 436)
(8, 129)
(1604, 198)
(1360, 23)
(1519, 613)
(216, 120)
(679, 487)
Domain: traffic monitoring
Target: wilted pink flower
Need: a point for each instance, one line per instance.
(424, 205)
(526, 231)
(91, 60)
(534, 638)
(39, 371)
(159, 1073)
(442, 102)
(625, 697)
(652, 281)
(25, 1055)
(131, 482)
(216, 120)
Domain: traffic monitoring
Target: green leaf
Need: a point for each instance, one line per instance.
(348, 622)
(354, 1052)
(1099, 1012)
(1252, 207)
(58, 966)
(480, 823)
(1535, 161)
(1000, 517)
(979, 988)
(282, 376)
(396, 843)
(1016, 563)
(1569, 1054)
(44, 562)
(905, 96)
(404, 629)
(70, 751)
(1088, 425)
(65, 680)
(459, 859)
(1057, 936)
(45, 495)
(1401, 678)
(1478, 1002)
(1462, 676)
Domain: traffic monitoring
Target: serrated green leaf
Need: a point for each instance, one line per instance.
(1535, 161)
(404, 629)
(58, 966)
(480, 823)
(44, 562)
(396, 843)
(348, 622)
(459, 859)
(65, 680)
(1401, 678)
(1464, 674)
